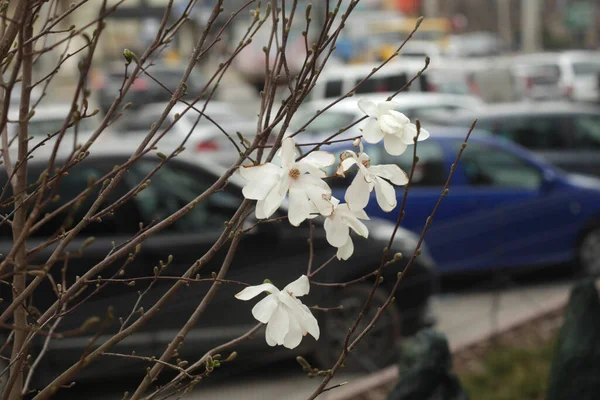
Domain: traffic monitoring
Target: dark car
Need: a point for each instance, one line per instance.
(144, 90)
(276, 251)
(565, 134)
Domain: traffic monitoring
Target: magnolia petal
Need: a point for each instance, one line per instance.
(368, 107)
(387, 106)
(345, 252)
(279, 324)
(320, 159)
(254, 172)
(320, 199)
(403, 119)
(345, 165)
(299, 207)
(294, 335)
(391, 172)
(272, 202)
(311, 169)
(357, 194)
(372, 133)
(388, 124)
(394, 145)
(260, 210)
(252, 291)
(270, 341)
(385, 194)
(424, 134)
(263, 310)
(299, 287)
(357, 226)
(336, 231)
(408, 136)
(288, 152)
(302, 314)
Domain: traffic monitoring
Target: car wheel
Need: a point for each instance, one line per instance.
(378, 349)
(589, 253)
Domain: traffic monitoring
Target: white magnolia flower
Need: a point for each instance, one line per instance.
(269, 183)
(338, 225)
(371, 177)
(392, 126)
(286, 317)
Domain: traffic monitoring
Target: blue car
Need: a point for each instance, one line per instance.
(506, 207)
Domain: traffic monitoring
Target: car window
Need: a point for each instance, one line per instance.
(587, 132)
(171, 188)
(586, 68)
(377, 84)
(486, 165)
(429, 171)
(333, 88)
(544, 132)
(141, 121)
(124, 220)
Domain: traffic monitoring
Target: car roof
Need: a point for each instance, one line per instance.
(403, 99)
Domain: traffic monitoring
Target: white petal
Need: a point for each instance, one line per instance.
(357, 194)
(260, 210)
(386, 195)
(272, 202)
(371, 132)
(318, 192)
(336, 231)
(252, 291)
(302, 314)
(388, 124)
(386, 106)
(346, 250)
(410, 131)
(279, 324)
(357, 226)
(403, 119)
(368, 107)
(294, 335)
(345, 165)
(299, 207)
(320, 159)
(424, 134)
(288, 152)
(263, 310)
(299, 287)
(253, 172)
(270, 340)
(361, 214)
(311, 169)
(391, 172)
(394, 145)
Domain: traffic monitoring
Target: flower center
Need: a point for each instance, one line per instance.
(366, 163)
(294, 173)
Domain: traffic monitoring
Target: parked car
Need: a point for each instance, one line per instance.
(565, 134)
(413, 105)
(576, 71)
(276, 251)
(506, 207)
(337, 80)
(205, 136)
(144, 90)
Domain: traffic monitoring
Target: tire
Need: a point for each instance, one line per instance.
(588, 252)
(378, 349)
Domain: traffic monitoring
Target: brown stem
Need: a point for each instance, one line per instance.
(13, 389)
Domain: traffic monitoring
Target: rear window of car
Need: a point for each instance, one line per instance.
(586, 68)
(376, 84)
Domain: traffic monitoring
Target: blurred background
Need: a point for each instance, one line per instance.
(525, 199)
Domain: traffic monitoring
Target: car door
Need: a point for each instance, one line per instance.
(463, 226)
(272, 251)
(519, 194)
